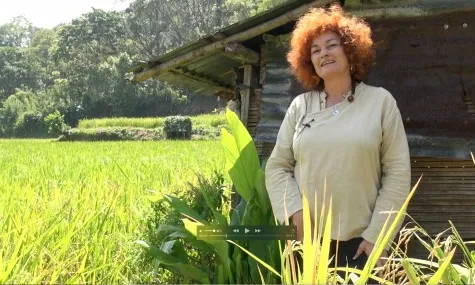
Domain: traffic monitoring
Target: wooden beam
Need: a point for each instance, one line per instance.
(246, 94)
(202, 80)
(219, 45)
(242, 54)
(427, 146)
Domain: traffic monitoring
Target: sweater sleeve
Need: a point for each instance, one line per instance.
(279, 173)
(396, 170)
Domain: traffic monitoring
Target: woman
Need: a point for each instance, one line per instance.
(342, 132)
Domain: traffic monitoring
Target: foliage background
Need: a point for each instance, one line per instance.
(78, 68)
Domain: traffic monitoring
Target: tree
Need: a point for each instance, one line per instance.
(158, 26)
(40, 54)
(78, 68)
(93, 36)
(17, 33)
(16, 71)
(239, 10)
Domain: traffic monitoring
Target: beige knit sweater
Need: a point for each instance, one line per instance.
(360, 148)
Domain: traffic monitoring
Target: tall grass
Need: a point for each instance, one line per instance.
(70, 212)
(214, 120)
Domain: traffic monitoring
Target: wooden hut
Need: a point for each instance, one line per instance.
(425, 56)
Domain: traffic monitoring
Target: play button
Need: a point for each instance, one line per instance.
(246, 231)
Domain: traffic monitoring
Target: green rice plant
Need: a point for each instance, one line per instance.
(205, 120)
(70, 212)
(315, 249)
(112, 134)
(149, 123)
(419, 271)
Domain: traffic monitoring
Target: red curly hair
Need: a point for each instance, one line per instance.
(355, 37)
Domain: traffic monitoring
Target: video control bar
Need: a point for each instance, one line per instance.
(247, 233)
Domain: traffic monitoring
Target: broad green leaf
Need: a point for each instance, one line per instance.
(259, 249)
(175, 249)
(155, 198)
(237, 258)
(181, 232)
(262, 194)
(256, 258)
(235, 167)
(186, 270)
(237, 214)
(221, 275)
(219, 246)
(242, 161)
(183, 208)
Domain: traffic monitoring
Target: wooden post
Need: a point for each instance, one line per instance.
(247, 84)
(246, 93)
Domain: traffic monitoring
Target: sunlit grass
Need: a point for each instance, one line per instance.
(213, 120)
(71, 212)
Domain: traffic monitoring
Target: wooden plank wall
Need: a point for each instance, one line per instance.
(446, 192)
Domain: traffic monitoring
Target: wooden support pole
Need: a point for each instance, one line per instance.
(219, 45)
(241, 53)
(246, 93)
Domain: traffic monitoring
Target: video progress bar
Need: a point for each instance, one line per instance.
(247, 232)
(246, 237)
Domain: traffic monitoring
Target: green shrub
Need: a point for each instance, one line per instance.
(178, 127)
(56, 124)
(30, 124)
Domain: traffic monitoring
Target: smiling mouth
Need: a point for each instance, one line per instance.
(327, 63)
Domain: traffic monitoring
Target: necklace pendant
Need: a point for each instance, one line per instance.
(336, 111)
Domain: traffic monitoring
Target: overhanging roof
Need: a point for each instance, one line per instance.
(233, 29)
(203, 66)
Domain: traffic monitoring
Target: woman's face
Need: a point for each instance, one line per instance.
(328, 56)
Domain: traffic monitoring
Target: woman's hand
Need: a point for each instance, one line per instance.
(367, 247)
(297, 220)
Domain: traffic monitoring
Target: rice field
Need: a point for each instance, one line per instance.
(71, 212)
(213, 120)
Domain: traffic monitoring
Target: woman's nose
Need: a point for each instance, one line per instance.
(323, 53)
